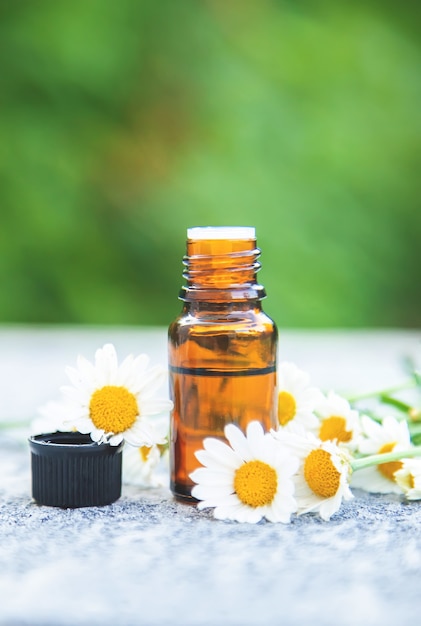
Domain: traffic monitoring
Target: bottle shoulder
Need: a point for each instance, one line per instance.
(235, 341)
(246, 317)
(252, 322)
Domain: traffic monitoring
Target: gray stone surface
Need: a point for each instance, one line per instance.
(149, 560)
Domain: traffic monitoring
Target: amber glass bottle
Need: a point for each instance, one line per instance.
(222, 347)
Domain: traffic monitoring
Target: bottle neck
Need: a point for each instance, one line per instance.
(221, 270)
(224, 307)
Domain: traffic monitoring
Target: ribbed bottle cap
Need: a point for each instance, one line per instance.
(69, 470)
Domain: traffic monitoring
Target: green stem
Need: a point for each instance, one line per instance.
(374, 394)
(414, 428)
(398, 404)
(388, 457)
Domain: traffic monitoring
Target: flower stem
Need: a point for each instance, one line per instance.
(379, 459)
(383, 392)
(398, 404)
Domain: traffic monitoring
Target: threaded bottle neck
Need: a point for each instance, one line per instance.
(221, 265)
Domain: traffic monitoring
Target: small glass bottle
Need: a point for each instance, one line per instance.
(222, 347)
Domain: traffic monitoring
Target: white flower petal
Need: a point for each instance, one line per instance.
(227, 512)
(408, 478)
(74, 376)
(154, 406)
(97, 435)
(84, 425)
(217, 462)
(204, 476)
(249, 514)
(143, 433)
(115, 440)
(86, 369)
(141, 363)
(211, 492)
(106, 364)
(75, 395)
(328, 507)
(390, 434)
(150, 381)
(238, 442)
(221, 452)
(370, 479)
(255, 439)
(281, 509)
(124, 372)
(229, 500)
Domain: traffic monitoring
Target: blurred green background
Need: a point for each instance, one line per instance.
(123, 123)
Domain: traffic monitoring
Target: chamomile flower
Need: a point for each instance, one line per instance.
(296, 399)
(337, 421)
(390, 435)
(246, 480)
(147, 466)
(141, 465)
(322, 479)
(408, 478)
(113, 402)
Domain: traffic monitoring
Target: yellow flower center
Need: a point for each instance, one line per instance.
(388, 469)
(407, 481)
(113, 409)
(255, 483)
(144, 452)
(286, 407)
(334, 427)
(321, 475)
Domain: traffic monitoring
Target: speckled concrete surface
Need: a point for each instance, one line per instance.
(149, 560)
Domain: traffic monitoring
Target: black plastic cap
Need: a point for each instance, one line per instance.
(69, 470)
